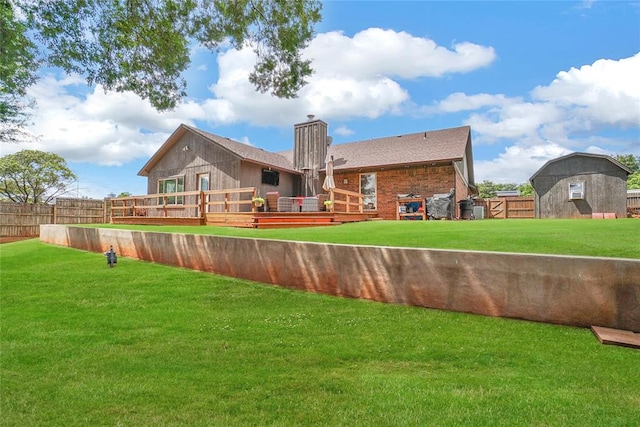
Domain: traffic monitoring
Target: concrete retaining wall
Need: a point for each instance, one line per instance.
(578, 291)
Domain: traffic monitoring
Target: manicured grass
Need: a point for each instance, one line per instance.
(607, 238)
(146, 344)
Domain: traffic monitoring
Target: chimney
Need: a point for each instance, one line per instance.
(310, 150)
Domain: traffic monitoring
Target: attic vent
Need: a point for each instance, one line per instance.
(576, 190)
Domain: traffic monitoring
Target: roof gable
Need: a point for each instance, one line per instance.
(242, 151)
(421, 147)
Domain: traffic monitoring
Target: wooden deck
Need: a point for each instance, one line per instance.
(233, 208)
(253, 219)
(285, 219)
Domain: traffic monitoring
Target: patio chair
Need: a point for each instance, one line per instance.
(285, 204)
(272, 201)
(314, 204)
(310, 204)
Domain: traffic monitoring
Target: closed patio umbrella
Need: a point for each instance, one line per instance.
(329, 184)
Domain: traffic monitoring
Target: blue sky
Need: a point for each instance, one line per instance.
(534, 80)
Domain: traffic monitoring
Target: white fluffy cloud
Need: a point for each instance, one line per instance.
(517, 164)
(564, 116)
(355, 77)
(102, 128)
(374, 52)
(606, 93)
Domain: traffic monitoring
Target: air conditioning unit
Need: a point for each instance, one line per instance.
(576, 195)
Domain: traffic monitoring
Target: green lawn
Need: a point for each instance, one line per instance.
(607, 238)
(147, 344)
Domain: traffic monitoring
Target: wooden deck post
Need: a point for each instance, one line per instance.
(332, 198)
(254, 209)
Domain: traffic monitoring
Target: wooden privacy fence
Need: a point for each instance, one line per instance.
(24, 219)
(633, 202)
(507, 207)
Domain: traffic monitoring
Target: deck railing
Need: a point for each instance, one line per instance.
(230, 200)
(196, 204)
(346, 201)
(184, 204)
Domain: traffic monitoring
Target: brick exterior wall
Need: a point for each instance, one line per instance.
(423, 180)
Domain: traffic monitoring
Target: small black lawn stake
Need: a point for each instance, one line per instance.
(112, 258)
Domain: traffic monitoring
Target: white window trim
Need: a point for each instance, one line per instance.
(576, 190)
(375, 189)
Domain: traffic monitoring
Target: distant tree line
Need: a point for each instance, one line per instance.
(488, 189)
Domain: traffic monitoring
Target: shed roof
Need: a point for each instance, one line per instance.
(242, 151)
(577, 154)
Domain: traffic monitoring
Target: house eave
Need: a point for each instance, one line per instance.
(395, 165)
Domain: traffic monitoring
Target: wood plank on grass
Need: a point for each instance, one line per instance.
(616, 337)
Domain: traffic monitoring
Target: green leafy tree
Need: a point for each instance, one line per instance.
(124, 194)
(18, 67)
(32, 176)
(525, 189)
(630, 161)
(142, 46)
(633, 163)
(487, 189)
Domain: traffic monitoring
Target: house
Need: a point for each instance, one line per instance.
(422, 163)
(580, 185)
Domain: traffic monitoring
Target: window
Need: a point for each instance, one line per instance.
(576, 190)
(270, 177)
(171, 185)
(202, 181)
(368, 189)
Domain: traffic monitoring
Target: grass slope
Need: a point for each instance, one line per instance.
(607, 238)
(146, 344)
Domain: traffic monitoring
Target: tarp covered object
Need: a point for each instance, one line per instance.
(441, 206)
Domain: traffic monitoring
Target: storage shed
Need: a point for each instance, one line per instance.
(580, 185)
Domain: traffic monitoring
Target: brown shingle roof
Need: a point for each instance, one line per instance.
(414, 148)
(421, 147)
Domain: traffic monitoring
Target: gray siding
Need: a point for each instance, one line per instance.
(200, 157)
(251, 176)
(226, 170)
(604, 188)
